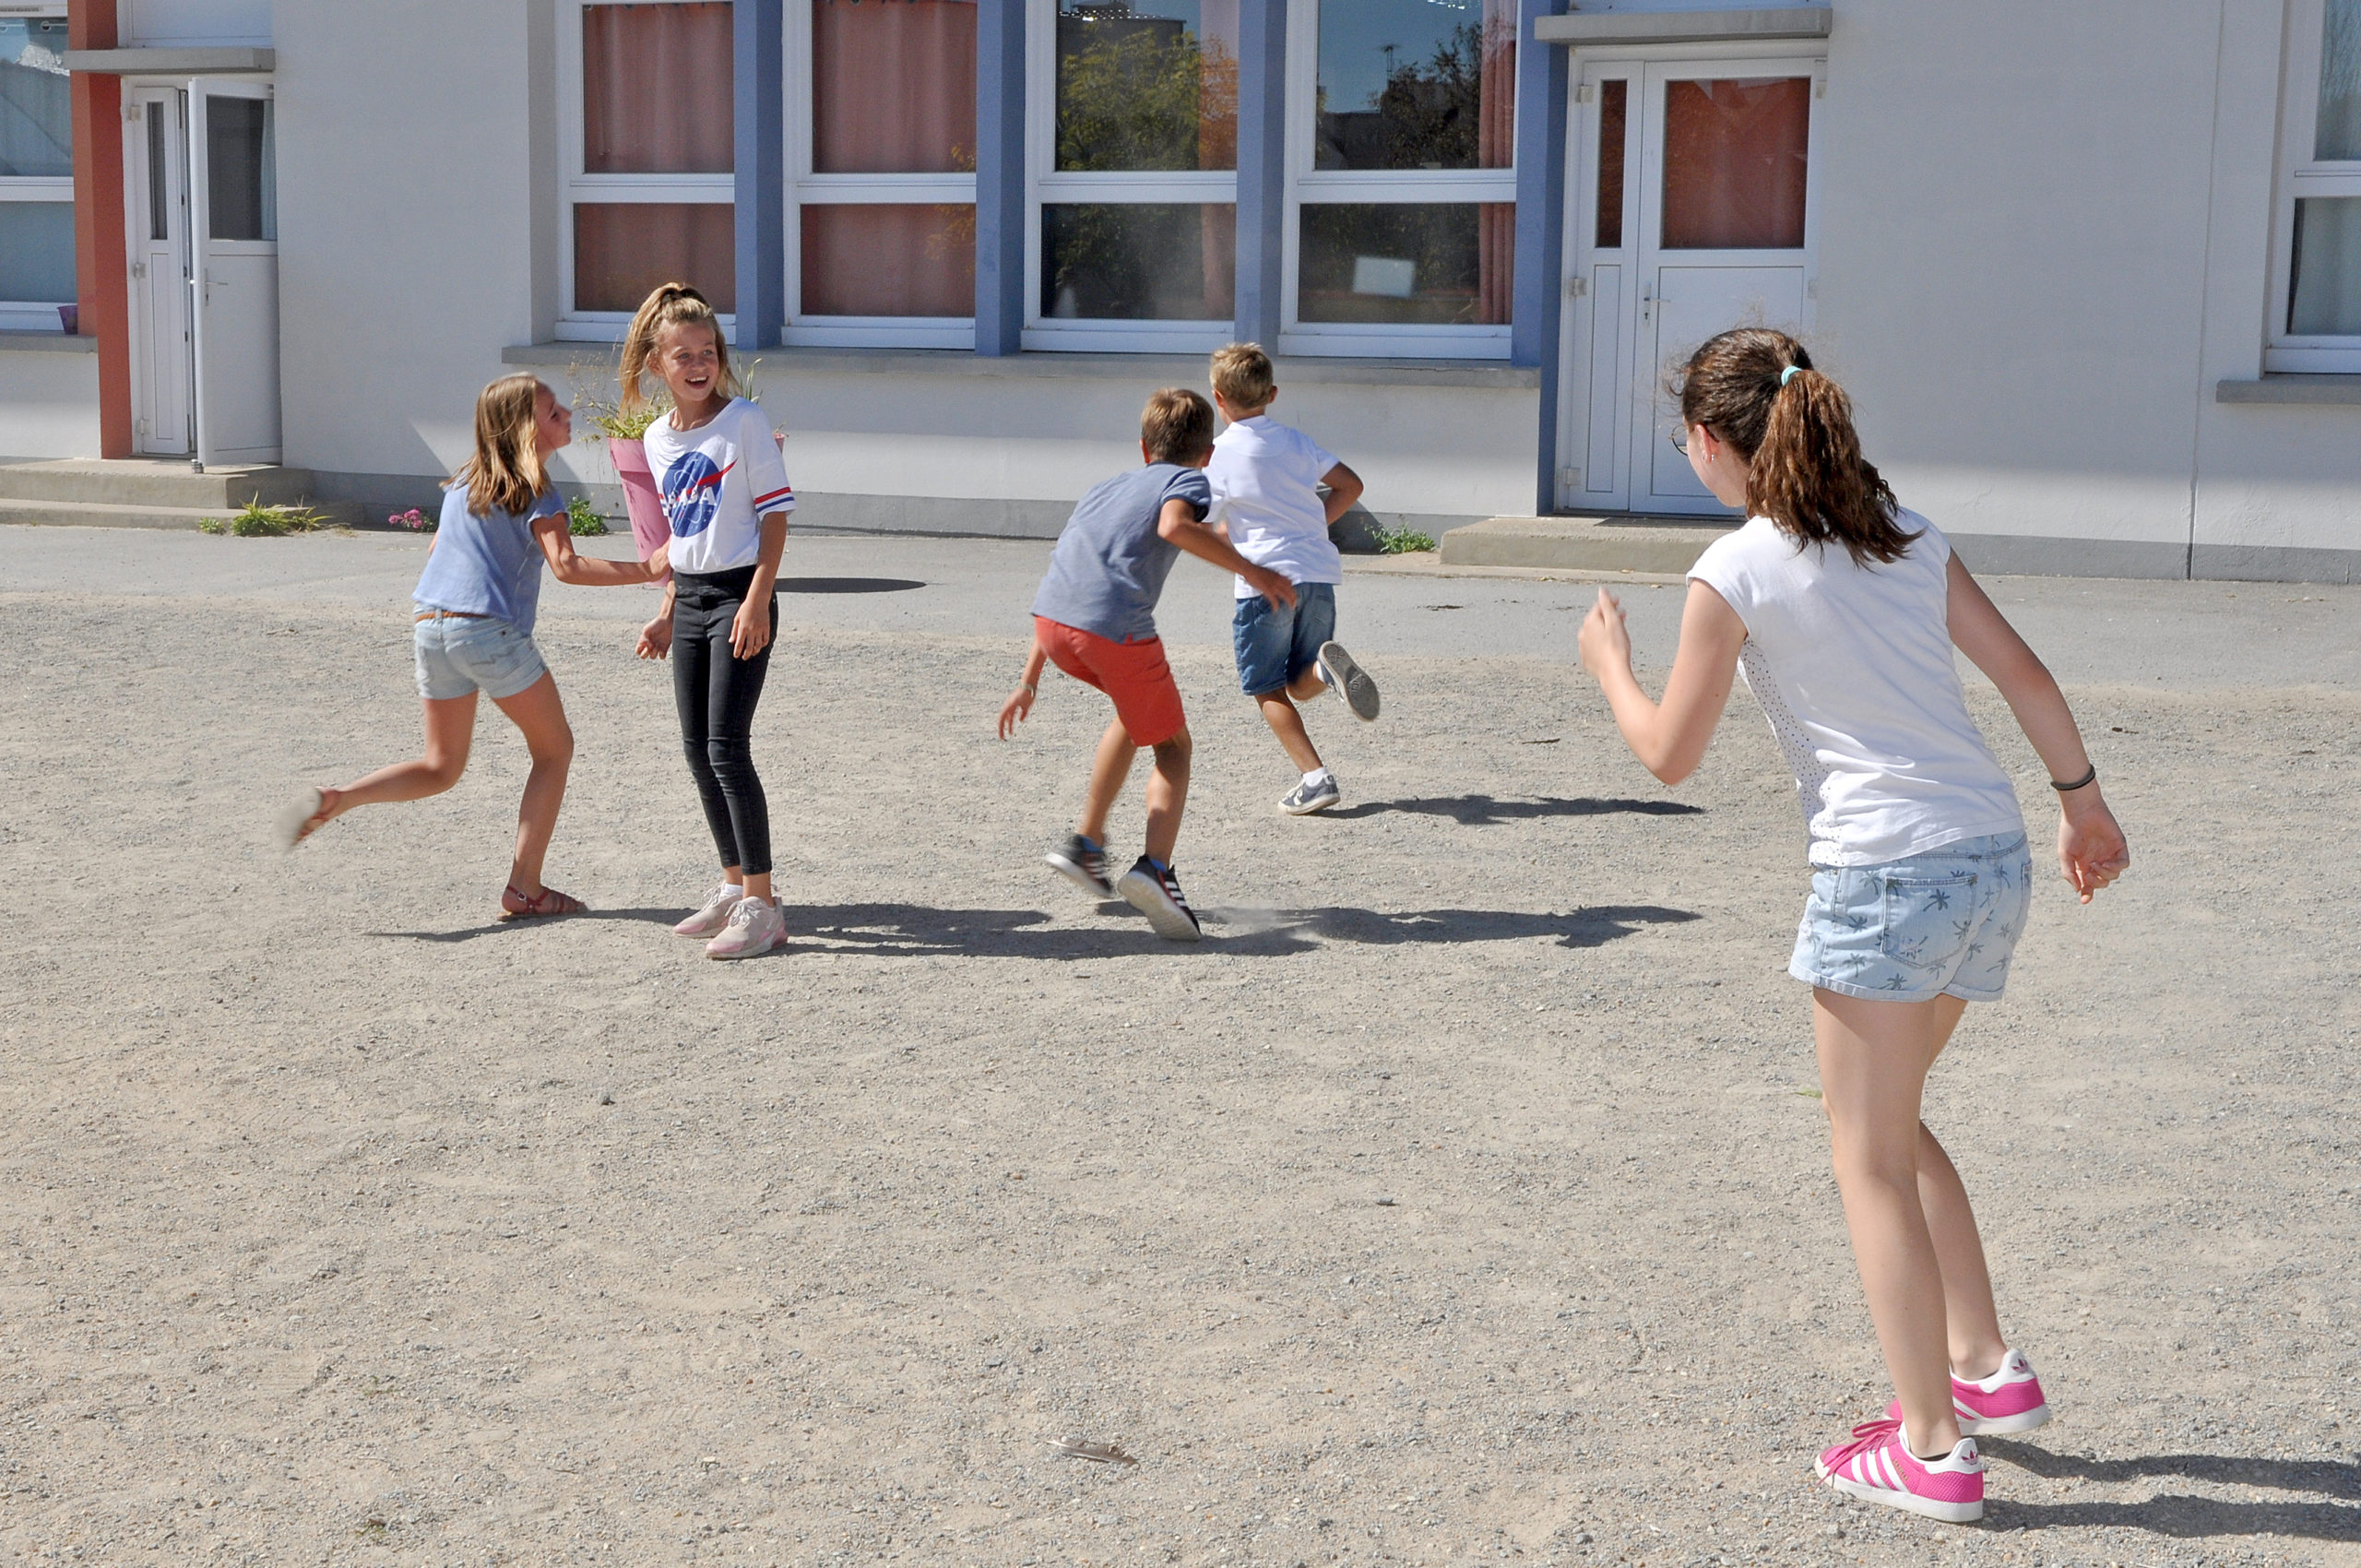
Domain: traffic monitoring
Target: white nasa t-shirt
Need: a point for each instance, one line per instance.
(716, 482)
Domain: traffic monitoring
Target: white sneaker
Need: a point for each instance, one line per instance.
(754, 928)
(709, 919)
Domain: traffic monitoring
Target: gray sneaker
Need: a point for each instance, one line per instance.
(1156, 894)
(1305, 799)
(1348, 681)
(1082, 863)
(755, 927)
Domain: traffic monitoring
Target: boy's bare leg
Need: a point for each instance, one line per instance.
(1287, 725)
(1108, 771)
(1168, 792)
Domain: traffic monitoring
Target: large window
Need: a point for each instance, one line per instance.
(1401, 171)
(1132, 150)
(36, 173)
(2316, 312)
(648, 104)
(881, 110)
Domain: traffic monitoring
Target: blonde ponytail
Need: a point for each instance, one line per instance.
(506, 471)
(673, 305)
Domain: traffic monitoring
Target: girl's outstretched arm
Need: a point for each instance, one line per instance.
(1669, 737)
(2091, 847)
(553, 535)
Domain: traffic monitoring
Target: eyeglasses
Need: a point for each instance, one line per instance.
(1678, 436)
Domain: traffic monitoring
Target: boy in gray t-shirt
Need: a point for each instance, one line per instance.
(1095, 618)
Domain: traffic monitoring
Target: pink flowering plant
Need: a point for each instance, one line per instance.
(414, 520)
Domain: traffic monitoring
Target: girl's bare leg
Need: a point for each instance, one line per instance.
(450, 730)
(1108, 771)
(550, 740)
(1873, 1062)
(1167, 792)
(1974, 1322)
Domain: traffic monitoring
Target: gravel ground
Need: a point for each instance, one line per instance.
(1463, 1199)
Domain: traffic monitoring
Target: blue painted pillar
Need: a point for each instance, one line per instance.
(1000, 176)
(1540, 225)
(758, 122)
(1262, 166)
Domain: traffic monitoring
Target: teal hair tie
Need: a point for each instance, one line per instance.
(1789, 373)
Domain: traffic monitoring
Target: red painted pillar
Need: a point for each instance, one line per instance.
(101, 251)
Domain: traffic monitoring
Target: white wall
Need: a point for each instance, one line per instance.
(49, 404)
(180, 23)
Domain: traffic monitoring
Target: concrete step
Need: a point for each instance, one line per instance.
(110, 515)
(151, 481)
(1590, 545)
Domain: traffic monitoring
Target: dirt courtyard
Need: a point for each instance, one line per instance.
(1464, 1199)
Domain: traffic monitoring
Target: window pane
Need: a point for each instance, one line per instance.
(894, 88)
(241, 169)
(1734, 169)
(865, 260)
(1104, 262)
(35, 98)
(624, 250)
(1425, 264)
(2338, 134)
(1150, 84)
(2325, 298)
(1614, 103)
(36, 251)
(655, 89)
(1416, 84)
(160, 178)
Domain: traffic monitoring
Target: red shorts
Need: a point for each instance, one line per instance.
(1133, 674)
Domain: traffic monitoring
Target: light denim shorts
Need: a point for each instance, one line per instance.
(457, 655)
(1943, 923)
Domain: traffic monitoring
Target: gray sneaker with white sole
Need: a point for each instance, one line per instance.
(1348, 681)
(1305, 799)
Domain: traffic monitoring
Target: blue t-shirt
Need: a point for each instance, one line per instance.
(1109, 566)
(486, 565)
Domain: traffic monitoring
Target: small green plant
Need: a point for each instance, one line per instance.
(581, 520)
(1400, 542)
(258, 521)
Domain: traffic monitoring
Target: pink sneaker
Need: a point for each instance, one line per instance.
(2008, 1401)
(754, 928)
(715, 914)
(1878, 1466)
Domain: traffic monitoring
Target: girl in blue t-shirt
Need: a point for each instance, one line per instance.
(473, 632)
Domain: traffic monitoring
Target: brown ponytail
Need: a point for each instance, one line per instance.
(673, 305)
(1805, 469)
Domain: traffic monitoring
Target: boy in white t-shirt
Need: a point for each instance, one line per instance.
(1266, 480)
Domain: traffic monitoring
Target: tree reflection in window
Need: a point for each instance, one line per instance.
(1429, 85)
(1147, 88)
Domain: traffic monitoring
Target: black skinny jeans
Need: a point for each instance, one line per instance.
(716, 692)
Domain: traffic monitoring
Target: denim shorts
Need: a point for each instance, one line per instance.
(457, 655)
(1943, 923)
(1276, 646)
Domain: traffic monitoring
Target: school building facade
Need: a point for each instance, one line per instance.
(2092, 271)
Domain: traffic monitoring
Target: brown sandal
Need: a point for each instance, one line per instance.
(514, 905)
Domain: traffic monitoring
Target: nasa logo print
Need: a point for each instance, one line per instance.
(692, 493)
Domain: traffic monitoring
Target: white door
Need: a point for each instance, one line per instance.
(157, 223)
(234, 197)
(1690, 213)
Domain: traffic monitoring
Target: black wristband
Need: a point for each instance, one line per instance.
(2086, 779)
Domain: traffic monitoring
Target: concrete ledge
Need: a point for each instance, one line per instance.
(46, 343)
(1169, 370)
(1684, 27)
(1592, 544)
(2291, 389)
(2018, 556)
(229, 62)
(2270, 564)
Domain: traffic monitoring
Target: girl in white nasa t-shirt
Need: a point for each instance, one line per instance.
(1843, 611)
(726, 497)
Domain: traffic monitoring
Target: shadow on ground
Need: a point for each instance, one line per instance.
(847, 585)
(2179, 1514)
(1483, 811)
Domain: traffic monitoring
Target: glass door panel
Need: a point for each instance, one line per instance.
(1736, 163)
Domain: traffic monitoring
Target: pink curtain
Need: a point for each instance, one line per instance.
(894, 88)
(1734, 163)
(623, 249)
(636, 118)
(1496, 148)
(897, 260)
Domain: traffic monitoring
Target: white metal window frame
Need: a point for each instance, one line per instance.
(1307, 185)
(582, 188)
(34, 315)
(2300, 176)
(1045, 185)
(806, 187)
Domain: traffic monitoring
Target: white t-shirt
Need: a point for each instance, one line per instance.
(1265, 478)
(716, 482)
(1853, 666)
